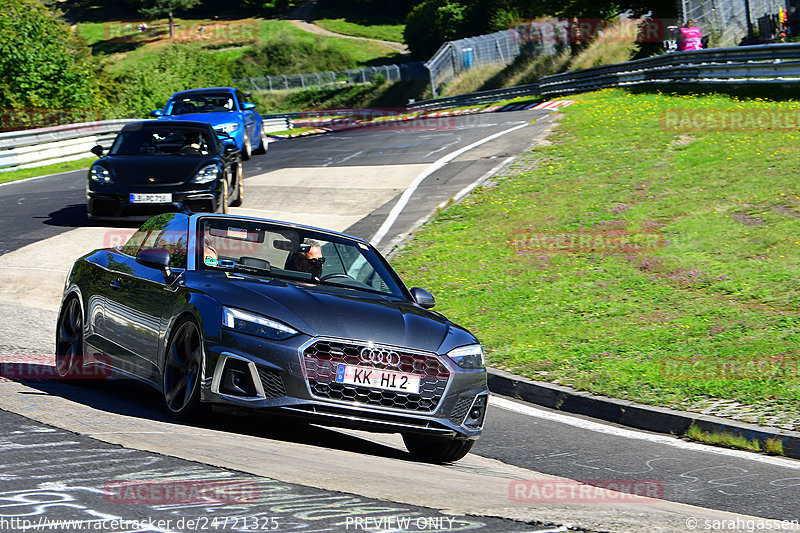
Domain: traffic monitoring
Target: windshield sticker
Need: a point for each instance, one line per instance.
(237, 233)
(210, 261)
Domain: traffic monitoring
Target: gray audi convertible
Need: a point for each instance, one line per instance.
(221, 310)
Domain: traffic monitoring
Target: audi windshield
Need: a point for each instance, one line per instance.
(255, 248)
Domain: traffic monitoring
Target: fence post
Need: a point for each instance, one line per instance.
(433, 84)
(319, 80)
(269, 79)
(499, 50)
(285, 81)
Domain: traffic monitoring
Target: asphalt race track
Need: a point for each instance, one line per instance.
(65, 448)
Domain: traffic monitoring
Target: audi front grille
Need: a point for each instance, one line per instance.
(321, 357)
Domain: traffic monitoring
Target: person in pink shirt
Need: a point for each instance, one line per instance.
(691, 37)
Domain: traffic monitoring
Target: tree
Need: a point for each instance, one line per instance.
(433, 22)
(43, 63)
(156, 8)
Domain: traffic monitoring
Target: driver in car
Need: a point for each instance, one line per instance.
(309, 258)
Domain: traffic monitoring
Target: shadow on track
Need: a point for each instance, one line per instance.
(129, 398)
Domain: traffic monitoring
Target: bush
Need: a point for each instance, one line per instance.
(176, 67)
(288, 54)
(42, 62)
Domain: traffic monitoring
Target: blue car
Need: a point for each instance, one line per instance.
(226, 109)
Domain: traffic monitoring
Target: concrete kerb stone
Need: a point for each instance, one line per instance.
(626, 413)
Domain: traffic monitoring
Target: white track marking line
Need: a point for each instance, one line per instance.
(439, 163)
(598, 427)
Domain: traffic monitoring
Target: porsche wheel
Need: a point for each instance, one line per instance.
(222, 205)
(437, 449)
(239, 187)
(183, 371)
(69, 340)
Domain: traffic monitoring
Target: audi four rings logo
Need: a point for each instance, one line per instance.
(378, 356)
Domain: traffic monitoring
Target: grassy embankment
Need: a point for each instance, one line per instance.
(353, 20)
(646, 262)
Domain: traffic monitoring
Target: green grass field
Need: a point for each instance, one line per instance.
(384, 32)
(123, 47)
(643, 257)
(21, 174)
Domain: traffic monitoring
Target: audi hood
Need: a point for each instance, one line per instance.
(329, 311)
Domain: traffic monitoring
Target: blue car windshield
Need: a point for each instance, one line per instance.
(162, 141)
(201, 103)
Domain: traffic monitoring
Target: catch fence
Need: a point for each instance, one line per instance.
(726, 20)
(287, 82)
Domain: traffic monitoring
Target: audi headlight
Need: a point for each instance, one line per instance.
(228, 128)
(257, 325)
(468, 356)
(207, 174)
(100, 174)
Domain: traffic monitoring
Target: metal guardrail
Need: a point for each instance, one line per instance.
(770, 63)
(481, 97)
(60, 144)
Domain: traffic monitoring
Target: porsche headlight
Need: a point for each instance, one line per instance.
(100, 174)
(228, 127)
(468, 356)
(257, 325)
(207, 174)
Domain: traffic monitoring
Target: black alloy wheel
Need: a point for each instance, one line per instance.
(182, 371)
(69, 340)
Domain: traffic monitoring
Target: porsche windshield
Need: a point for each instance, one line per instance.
(162, 141)
(269, 250)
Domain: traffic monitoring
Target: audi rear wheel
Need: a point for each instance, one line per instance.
(69, 340)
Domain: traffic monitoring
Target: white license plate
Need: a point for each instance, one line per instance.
(377, 378)
(151, 198)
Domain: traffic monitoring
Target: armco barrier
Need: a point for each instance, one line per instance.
(70, 142)
(771, 63)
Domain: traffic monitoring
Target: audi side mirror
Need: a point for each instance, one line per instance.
(97, 150)
(157, 258)
(423, 298)
(157, 113)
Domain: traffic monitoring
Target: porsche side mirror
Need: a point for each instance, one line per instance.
(230, 148)
(97, 150)
(157, 113)
(423, 297)
(157, 258)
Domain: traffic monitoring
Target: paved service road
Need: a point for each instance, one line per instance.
(350, 181)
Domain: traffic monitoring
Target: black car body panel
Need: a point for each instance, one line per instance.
(311, 334)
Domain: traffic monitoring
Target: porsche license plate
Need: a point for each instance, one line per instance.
(377, 378)
(151, 198)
